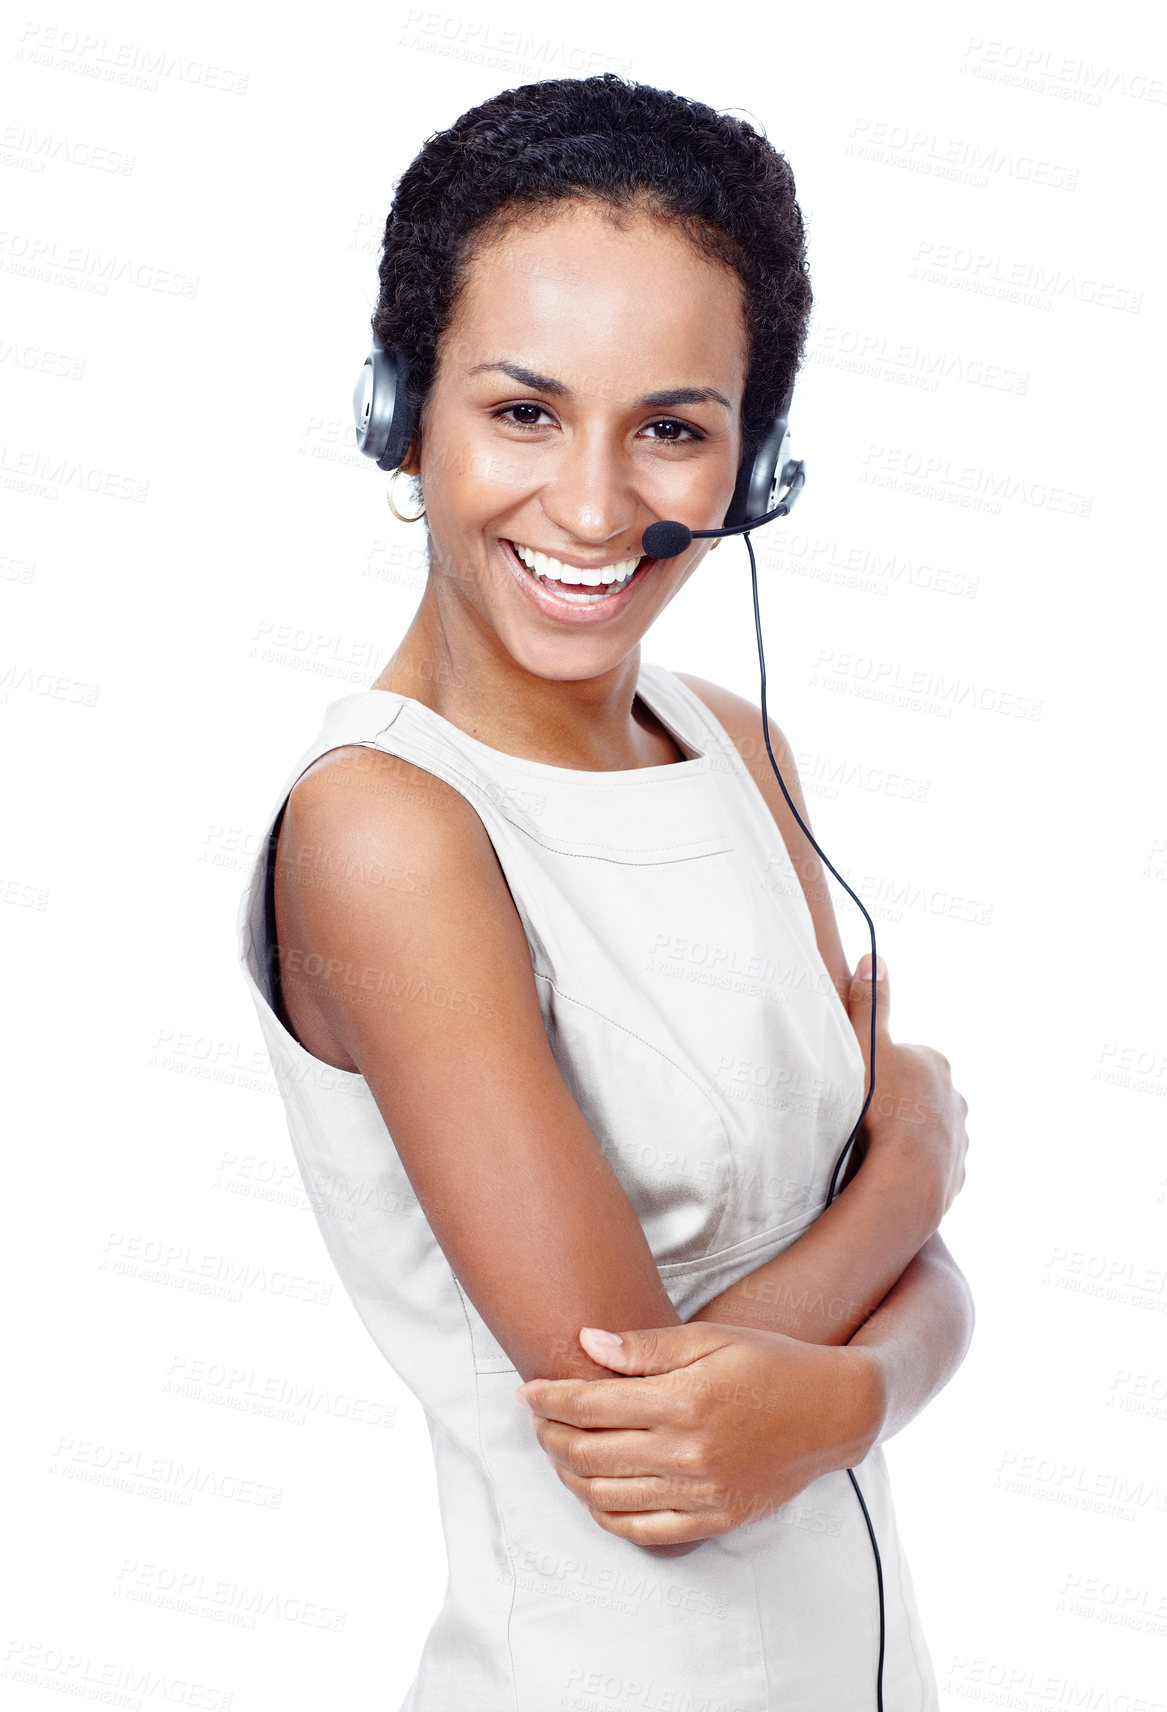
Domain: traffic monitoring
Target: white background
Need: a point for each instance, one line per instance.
(962, 646)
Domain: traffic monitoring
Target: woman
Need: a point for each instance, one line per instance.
(552, 984)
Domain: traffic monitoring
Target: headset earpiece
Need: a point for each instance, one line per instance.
(382, 407)
(762, 482)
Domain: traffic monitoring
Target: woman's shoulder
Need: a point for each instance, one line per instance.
(356, 788)
(362, 817)
(370, 847)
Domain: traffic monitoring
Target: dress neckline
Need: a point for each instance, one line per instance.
(695, 761)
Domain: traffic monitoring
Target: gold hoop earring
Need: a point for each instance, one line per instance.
(717, 543)
(389, 496)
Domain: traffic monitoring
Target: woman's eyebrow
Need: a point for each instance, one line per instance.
(651, 401)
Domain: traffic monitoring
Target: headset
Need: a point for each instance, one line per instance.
(767, 486)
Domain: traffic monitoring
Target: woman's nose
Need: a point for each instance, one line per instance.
(590, 495)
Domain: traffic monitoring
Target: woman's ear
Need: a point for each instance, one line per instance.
(411, 463)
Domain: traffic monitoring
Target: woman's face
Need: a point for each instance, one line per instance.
(589, 384)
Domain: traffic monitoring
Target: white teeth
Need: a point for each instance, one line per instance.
(608, 577)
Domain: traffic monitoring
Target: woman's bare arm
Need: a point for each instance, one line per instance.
(427, 987)
(919, 1335)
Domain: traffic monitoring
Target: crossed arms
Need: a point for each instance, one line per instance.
(836, 1343)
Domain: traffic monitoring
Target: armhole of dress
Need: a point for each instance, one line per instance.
(271, 949)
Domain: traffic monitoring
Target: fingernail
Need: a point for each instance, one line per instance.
(863, 969)
(880, 969)
(602, 1337)
(521, 1399)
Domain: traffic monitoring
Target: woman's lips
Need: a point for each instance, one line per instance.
(570, 611)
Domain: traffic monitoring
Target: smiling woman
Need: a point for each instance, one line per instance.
(544, 445)
(552, 985)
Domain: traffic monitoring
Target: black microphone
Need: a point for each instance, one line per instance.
(667, 539)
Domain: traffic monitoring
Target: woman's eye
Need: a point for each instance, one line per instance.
(676, 429)
(519, 421)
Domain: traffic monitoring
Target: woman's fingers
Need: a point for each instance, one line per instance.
(658, 1511)
(589, 1403)
(619, 1497)
(863, 970)
(654, 1391)
(672, 1533)
(863, 994)
(627, 1471)
(587, 1453)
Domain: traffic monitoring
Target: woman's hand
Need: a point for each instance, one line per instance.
(728, 1424)
(916, 1113)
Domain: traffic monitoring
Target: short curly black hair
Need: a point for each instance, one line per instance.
(622, 143)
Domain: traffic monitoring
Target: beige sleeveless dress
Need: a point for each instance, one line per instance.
(694, 1021)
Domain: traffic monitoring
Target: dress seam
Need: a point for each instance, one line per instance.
(484, 1464)
(475, 790)
(540, 975)
(761, 1630)
(909, 1625)
(657, 853)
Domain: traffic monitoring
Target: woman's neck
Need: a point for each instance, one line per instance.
(591, 724)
